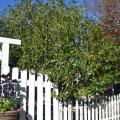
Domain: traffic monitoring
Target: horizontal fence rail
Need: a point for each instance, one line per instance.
(37, 102)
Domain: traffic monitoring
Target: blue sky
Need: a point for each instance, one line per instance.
(5, 3)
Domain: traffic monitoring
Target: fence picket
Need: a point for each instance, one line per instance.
(31, 100)
(60, 111)
(69, 111)
(119, 106)
(89, 112)
(65, 111)
(15, 73)
(115, 111)
(109, 111)
(55, 105)
(47, 98)
(106, 109)
(81, 111)
(40, 97)
(85, 111)
(23, 90)
(112, 107)
(103, 111)
(99, 107)
(96, 113)
(76, 110)
(93, 116)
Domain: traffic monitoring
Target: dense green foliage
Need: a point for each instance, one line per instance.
(6, 105)
(58, 41)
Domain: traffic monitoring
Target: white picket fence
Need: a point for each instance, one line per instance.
(37, 102)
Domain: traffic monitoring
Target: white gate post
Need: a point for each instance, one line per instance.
(4, 53)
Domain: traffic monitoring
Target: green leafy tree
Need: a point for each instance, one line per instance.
(58, 41)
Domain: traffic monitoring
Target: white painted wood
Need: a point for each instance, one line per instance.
(55, 105)
(112, 108)
(69, 110)
(23, 90)
(60, 111)
(108, 107)
(5, 70)
(31, 100)
(76, 110)
(99, 107)
(36, 84)
(10, 41)
(5, 54)
(65, 111)
(0, 55)
(96, 113)
(115, 111)
(40, 97)
(15, 73)
(85, 111)
(117, 107)
(81, 111)
(89, 109)
(47, 98)
(103, 111)
(93, 118)
(89, 113)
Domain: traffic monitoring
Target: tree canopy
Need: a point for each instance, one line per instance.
(59, 41)
(108, 14)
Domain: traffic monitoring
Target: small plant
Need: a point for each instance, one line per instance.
(6, 105)
(9, 93)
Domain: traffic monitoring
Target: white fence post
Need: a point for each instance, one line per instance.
(5, 54)
(5, 70)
